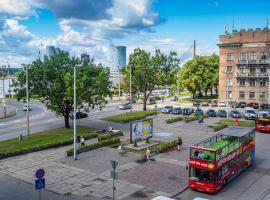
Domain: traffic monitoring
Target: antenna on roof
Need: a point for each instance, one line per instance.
(267, 23)
(225, 29)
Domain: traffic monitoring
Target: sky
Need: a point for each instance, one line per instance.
(90, 26)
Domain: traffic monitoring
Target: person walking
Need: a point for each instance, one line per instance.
(179, 143)
(148, 152)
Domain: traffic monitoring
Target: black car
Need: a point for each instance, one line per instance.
(196, 104)
(235, 114)
(79, 115)
(211, 113)
(205, 103)
(198, 111)
(187, 111)
(176, 111)
(241, 104)
(222, 113)
(265, 106)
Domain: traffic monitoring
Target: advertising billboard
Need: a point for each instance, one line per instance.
(142, 130)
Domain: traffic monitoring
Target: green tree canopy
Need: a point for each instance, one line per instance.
(200, 74)
(52, 80)
(149, 71)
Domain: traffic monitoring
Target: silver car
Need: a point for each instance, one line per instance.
(124, 106)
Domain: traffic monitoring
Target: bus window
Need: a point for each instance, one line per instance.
(203, 154)
(202, 175)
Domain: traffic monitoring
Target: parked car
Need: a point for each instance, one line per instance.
(151, 100)
(222, 113)
(198, 111)
(25, 108)
(211, 113)
(222, 104)
(176, 111)
(265, 106)
(250, 113)
(187, 111)
(263, 114)
(241, 104)
(214, 103)
(235, 114)
(79, 115)
(125, 106)
(205, 103)
(196, 104)
(167, 109)
(253, 105)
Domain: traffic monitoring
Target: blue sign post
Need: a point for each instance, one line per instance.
(40, 181)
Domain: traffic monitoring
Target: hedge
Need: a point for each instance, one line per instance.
(110, 135)
(172, 120)
(194, 118)
(21, 151)
(166, 146)
(90, 147)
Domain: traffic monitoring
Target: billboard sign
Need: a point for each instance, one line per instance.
(142, 130)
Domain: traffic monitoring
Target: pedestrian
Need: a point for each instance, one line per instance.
(179, 143)
(148, 152)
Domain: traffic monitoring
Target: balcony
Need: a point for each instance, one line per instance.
(253, 62)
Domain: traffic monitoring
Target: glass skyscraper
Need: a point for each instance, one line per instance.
(117, 57)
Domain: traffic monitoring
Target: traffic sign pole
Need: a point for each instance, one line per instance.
(114, 175)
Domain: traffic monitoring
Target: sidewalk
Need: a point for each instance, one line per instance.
(10, 111)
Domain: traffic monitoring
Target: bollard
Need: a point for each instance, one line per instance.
(20, 137)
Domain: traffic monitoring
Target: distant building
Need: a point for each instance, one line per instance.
(85, 57)
(50, 51)
(57, 50)
(244, 66)
(117, 57)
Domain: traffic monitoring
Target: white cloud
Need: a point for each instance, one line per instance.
(17, 8)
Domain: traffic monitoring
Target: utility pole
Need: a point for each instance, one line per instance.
(227, 96)
(27, 98)
(194, 48)
(177, 76)
(4, 95)
(74, 115)
(269, 88)
(8, 81)
(130, 86)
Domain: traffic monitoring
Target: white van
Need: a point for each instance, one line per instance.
(250, 113)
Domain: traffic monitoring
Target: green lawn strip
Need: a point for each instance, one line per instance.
(43, 140)
(93, 146)
(175, 119)
(194, 118)
(110, 135)
(225, 123)
(130, 116)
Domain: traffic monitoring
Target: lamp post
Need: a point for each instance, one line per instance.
(269, 88)
(227, 80)
(4, 95)
(8, 82)
(27, 98)
(130, 86)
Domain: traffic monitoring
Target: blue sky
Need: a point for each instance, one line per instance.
(89, 26)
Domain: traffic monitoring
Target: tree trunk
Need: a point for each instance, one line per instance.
(144, 101)
(67, 121)
(211, 90)
(193, 95)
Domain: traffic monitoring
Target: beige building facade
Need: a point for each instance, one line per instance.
(244, 66)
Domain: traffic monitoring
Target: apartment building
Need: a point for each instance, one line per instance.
(244, 67)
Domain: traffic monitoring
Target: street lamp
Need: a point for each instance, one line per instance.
(130, 86)
(4, 95)
(227, 94)
(27, 98)
(8, 81)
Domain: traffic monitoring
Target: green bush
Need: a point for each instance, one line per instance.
(172, 120)
(110, 135)
(194, 118)
(130, 116)
(218, 127)
(93, 146)
(166, 146)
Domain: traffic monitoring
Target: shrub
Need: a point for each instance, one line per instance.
(194, 118)
(166, 146)
(93, 146)
(110, 135)
(218, 127)
(172, 120)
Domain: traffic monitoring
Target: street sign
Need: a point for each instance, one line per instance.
(114, 175)
(40, 173)
(114, 164)
(40, 183)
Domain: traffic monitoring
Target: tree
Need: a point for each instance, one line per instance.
(52, 80)
(150, 71)
(200, 74)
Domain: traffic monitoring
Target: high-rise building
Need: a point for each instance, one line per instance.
(50, 51)
(118, 57)
(85, 57)
(57, 50)
(244, 66)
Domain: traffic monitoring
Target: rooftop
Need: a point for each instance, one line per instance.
(235, 131)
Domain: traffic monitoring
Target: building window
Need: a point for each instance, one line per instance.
(229, 69)
(253, 56)
(252, 82)
(241, 95)
(252, 95)
(252, 70)
(263, 55)
(262, 82)
(229, 82)
(263, 69)
(242, 82)
(229, 56)
(229, 95)
(242, 69)
(262, 95)
(242, 56)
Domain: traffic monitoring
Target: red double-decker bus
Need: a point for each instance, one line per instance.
(217, 160)
(262, 122)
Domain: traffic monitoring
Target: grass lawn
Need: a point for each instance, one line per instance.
(43, 140)
(225, 123)
(130, 116)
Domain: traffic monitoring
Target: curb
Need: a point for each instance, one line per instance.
(180, 192)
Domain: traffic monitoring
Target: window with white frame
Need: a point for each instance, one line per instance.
(262, 95)
(253, 56)
(242, 56)
(229, 56)
(252, 95)
(241, 95)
